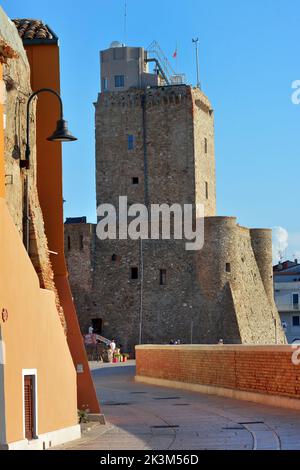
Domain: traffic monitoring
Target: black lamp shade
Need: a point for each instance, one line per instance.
(62, 133)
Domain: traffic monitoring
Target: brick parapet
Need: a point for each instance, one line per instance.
(256, 369)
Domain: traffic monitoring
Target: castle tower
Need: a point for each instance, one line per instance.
(155, 145)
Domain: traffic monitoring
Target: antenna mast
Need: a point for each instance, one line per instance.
(125, 22)
(195, 41)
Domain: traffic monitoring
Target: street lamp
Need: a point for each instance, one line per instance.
(61, 133)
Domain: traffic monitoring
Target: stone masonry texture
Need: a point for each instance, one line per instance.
(17, 82)
(79, 252)
(221, 291)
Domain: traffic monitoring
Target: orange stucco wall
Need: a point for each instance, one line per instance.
(2, 177)
(34, 339)
(45, 73)
(44, 70)
(32, 334)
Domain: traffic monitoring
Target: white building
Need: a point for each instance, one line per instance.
(287, 294)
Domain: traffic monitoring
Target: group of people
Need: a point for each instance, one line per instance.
(112, 344)
(174, 341)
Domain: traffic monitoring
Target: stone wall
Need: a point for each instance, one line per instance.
(165, 154)
(232, 285)
(263, 374)
(261, 241)
(169, 146)
(204, 152)
(79, 253)
(16, 75)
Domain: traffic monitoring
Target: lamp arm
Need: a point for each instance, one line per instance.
(27, 151)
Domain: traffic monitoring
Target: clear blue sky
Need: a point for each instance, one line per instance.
(249, 56)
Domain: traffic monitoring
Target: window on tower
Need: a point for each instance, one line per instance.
(205, 145)
(206, 189)
(134, 273)
(119, 81)
(228, 267)
(130, 142)
(104, 84)
(162, 277)
(81, 245)
(135, 180)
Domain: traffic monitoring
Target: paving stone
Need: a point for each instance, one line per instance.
(204, 424)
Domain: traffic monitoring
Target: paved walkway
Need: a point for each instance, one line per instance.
(158, 418)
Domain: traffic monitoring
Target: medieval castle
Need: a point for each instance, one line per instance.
(155, 145)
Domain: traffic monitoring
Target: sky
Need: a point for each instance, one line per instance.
(249, 59)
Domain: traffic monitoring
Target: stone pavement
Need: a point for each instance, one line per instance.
(157, 418)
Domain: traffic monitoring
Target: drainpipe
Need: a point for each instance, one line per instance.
(141, 290)
(145, 150)
(26, 216)
(146, 202)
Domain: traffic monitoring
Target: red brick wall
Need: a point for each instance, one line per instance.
(260, 369)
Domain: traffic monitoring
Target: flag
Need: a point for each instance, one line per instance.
(175, 54)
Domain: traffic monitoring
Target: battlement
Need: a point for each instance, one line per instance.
(156, 96)
(173, 94)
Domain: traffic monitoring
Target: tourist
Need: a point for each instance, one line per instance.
(113, 345)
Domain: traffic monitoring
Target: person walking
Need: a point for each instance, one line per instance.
(113, 346)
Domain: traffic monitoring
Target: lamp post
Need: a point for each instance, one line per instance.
(61, 133)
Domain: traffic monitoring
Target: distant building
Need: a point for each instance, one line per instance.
(287, 295)
(123, 68)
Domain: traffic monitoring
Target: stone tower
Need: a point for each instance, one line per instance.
(155, 145)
